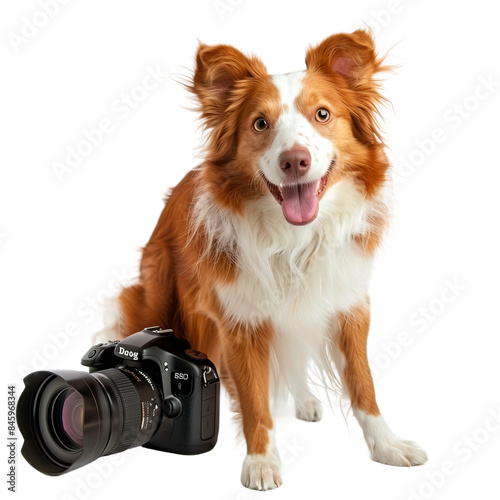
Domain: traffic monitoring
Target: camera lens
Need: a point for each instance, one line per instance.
(69, 418)
(66, 412)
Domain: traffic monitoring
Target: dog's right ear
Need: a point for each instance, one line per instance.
(218, 69)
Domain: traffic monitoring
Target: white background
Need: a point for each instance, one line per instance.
(435, 288)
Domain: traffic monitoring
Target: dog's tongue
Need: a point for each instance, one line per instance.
(300, 202)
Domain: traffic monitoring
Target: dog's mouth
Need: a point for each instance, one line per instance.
(299, 202)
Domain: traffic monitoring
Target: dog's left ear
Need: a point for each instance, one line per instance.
(350, 61)
(352, 56)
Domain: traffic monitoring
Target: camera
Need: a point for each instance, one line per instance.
(150, 389)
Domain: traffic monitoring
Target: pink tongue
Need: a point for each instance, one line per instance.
(300, 203)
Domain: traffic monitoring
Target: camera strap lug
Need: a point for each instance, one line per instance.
(209, 376)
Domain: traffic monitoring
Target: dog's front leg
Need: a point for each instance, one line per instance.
(352, 363)
(246, 353)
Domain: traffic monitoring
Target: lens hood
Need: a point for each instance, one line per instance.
(35, 419)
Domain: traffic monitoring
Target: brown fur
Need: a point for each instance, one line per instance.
(179, 274)
(351, 340)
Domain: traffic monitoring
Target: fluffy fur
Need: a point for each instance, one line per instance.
(235, 270)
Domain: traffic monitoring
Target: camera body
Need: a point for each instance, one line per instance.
(185, 407)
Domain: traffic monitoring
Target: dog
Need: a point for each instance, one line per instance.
(262, 255)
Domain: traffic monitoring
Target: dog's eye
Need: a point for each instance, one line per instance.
(260, 124)
(322, 115)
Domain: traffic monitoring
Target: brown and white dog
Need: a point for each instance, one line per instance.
(262, 255)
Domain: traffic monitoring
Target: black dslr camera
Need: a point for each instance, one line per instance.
(150, 389)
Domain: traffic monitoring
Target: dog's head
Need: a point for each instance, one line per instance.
(291, 136)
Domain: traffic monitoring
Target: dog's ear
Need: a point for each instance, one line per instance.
(352, 56)
(218, 70)
(350, 61)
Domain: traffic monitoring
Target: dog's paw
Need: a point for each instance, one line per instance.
(393, 451)
(310, 410)
(385, 446)
(261, 472)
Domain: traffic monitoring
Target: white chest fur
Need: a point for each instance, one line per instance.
(296, 277)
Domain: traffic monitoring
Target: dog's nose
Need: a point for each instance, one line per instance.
(295, 161)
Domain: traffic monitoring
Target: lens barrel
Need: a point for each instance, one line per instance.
(70, 418)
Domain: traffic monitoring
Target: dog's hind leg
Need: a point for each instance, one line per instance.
(292, 371)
